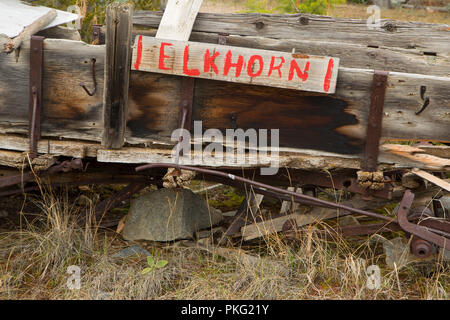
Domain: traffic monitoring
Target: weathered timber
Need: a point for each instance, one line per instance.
(240, 65)
(334, 123)
(260, 229)
(429, 177)
(429, 38)
(75, 149)
(67, 110)
(301, 159)
(391, 156)
(60, 32)
(351, 55)
(117, 74)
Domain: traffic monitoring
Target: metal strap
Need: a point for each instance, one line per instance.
(374, 121)
(35, 99)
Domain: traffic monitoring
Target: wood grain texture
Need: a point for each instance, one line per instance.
(303, 117)
(333, 123)
(351, 55)
(67, 110)
(240, 65)
(260, 229)
(154, 100)
(117, 73)
(391, 156)
(428, 38)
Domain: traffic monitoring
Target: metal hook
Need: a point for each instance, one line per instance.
(93, 80)
(426, 101)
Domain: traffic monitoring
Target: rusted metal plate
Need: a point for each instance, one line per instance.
(374, 122)
(98, 37)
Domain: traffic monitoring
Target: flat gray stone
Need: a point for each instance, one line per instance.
(131, 251)
(167, 215)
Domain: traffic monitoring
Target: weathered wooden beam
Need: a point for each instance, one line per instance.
(117, 74)
(391, 156)
(351, 55)
(333, 123)
(433, 179)
(75, 149)
(428, 38)
(329, 123)
(69, 112)
(267, 227)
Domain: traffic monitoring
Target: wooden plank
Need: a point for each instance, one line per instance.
(329, 123)
(118, 57)
(260, 229)
(301, 159)
(351, 55)
(391, 156)
(60, 33)
(290, 206)
(433, 179)
(333, 123)
(177, 23)
(75, 149)
(240, 65)
(407, 156)
(429, 39)
(68, 111)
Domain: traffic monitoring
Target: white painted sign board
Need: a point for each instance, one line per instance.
(16, 15)
(235, 64)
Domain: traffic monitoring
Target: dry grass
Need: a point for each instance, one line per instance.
(34, 259)
(34, 262)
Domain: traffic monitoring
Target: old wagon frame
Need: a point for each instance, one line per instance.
(79, 102)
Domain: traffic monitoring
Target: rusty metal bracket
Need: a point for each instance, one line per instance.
(374, 121)
(418, 230)
(35, 98)
(97, 36)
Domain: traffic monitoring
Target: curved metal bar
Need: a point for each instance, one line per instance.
(305, 198)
